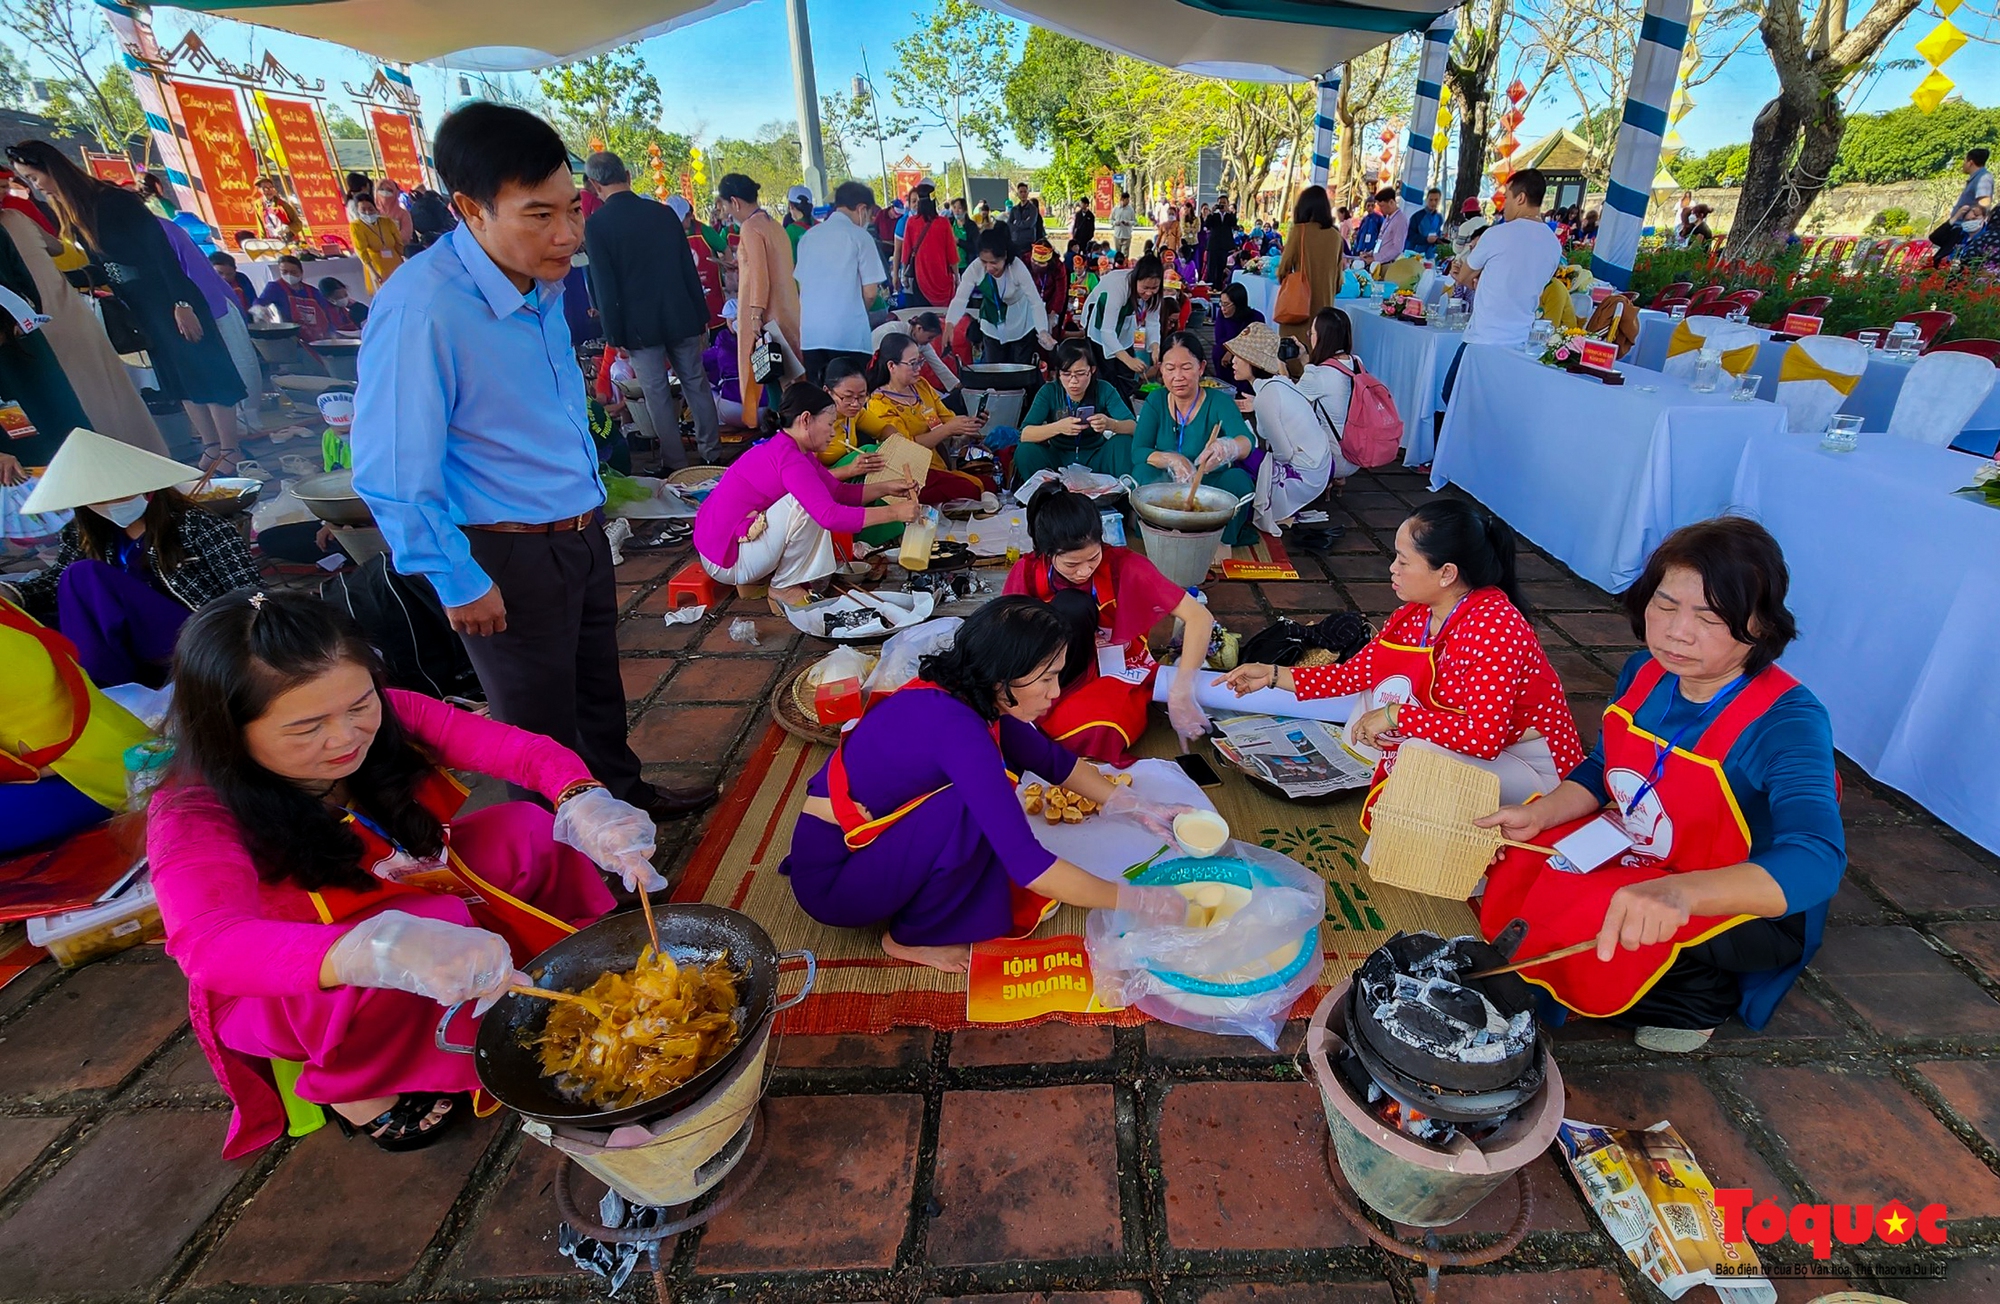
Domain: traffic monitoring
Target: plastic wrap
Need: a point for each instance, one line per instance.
(1240, 976)
(905, 649)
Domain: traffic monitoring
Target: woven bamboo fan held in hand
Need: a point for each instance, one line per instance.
(1422, 836)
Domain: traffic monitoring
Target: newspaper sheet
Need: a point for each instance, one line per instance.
(1301, 758)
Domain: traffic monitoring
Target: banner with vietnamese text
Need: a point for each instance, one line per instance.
(396, 144)
(295, 127)
(115, 168)
(1013, 979)
(222, 154)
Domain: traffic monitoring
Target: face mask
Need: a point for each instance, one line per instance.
(339, 301)
(123, 511)
(292, 278)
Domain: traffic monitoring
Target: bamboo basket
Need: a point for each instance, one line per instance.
(1421, 833)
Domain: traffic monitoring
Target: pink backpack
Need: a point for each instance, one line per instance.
(1374, 429)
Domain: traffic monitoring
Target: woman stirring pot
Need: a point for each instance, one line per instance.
(1185, 425)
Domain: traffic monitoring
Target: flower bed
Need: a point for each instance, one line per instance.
(1859, 299)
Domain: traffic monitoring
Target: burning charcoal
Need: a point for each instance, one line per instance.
(1462, 1006)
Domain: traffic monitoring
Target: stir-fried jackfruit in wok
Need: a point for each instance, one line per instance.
(631, 1036)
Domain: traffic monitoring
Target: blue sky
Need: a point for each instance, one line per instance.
(731, 74)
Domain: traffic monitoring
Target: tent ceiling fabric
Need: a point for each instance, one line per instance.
(477, 35)
(1244, 40)
(1247, 40)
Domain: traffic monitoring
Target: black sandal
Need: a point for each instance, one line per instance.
(407, 1124)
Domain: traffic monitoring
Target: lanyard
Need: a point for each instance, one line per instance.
(1444, 624)
(1660, 758)
(1181, 425)
(378, 831)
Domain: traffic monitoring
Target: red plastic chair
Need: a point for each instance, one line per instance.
(1668, 305)
(1720, 308)
(1988, 349)
(1743, 298)
(1813, 305)
(1706, 294)
(1678, 290)
(1930, 323)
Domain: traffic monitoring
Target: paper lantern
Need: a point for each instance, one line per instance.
(1517, 92)
(1388, 134)
(1500, 196)
(1930, 92)
(1438, 142)
(1945, 8)
(1943, 42)
(1444, 115)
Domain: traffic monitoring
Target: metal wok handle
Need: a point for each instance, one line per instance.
(444, 1042)
(812, 973)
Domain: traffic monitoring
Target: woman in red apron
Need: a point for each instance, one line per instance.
(1701, 842)
(914, 825)
(1108, 598)
(318, 886)
(1456, 667)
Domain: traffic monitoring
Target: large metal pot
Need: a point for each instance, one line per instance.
(1001, 375)
(510, 1068)
(1164, 504)
(331, 497)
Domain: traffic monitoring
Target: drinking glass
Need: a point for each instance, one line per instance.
(1707, 371)
(1746, 387)
(1741, 316)
(1677, 314)
(1843, 434)
(1539, 335)
(1870, 339)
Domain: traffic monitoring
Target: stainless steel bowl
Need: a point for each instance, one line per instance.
(1164, 504)
(331, 497)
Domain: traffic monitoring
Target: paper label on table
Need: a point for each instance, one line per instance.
(1258, 570)
(1797, 323)
(1589, 846)
(1601, 355)
(1013, 980)
(905, 457)
(1114, 663)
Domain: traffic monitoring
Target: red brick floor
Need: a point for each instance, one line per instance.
(1050, 1165)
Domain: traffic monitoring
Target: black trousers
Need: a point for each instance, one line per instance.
(554, 669)
(1026, 350)
(1702, 988)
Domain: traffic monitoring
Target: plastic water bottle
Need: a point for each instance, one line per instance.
(145, 767)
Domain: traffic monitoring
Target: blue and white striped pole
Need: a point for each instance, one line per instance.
(1431, 64)
(1324, 127)
(1655, 71)
(137, 50)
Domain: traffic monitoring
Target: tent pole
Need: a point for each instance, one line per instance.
(1323, 126)
(1431, 64)
(811, 148)
(1656, 66)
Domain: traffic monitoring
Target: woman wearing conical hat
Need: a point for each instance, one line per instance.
(136, 560)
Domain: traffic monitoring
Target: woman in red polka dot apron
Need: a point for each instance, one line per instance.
(1457, 666)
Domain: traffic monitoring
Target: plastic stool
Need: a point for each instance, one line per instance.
(843, 547)
(691, 584)
(302, 1117)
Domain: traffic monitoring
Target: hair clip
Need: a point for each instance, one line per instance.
(257, 600)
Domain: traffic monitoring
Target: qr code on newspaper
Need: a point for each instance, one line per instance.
(1684, 1221)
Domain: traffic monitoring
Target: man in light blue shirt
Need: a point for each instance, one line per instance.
(472, 446)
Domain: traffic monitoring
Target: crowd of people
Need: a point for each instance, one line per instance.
(318, 882)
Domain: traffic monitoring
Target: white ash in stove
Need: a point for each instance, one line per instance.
(1410, 988)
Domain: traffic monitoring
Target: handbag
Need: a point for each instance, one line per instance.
(1293, 306)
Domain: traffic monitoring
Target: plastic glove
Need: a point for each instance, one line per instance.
(447, 962)
(1180, 469)
(1156, 817)
(616, 834)
(1186, 716)
(1162, 906)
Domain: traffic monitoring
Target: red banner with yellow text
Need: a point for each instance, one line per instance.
(1016, 979)
(1103, 196)
(115, 168)
(222, 154)
(396, 144)
(295, 124)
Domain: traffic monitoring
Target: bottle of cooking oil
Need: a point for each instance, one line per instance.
(919, 537)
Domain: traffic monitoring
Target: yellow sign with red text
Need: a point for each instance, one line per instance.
(1014, 980)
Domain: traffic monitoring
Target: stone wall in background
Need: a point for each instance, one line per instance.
(1844, 210)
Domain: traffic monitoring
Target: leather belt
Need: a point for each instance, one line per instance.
(564, 526)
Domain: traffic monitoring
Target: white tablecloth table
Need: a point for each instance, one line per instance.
(1874, 396)
(1411, 360)
(1595, 474)
(1261, 291)
(1897, 628)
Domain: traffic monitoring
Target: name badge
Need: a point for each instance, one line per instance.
(1590, 846)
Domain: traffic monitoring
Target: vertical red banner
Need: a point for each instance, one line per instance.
(222, 154)
(322, 201)
(396, 142)
(1104, 197)
(114, 168)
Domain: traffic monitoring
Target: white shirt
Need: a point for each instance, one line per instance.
(1022, 312)
(1107, 321)
(1515, 261)
(1122, 219)
(836, 258)
(941, 375)
(1299, 422)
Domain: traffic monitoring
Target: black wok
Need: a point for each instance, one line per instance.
(509, 1066)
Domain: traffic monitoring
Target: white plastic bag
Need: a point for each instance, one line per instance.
(905, 649)
(1286, 902)
(285, 509)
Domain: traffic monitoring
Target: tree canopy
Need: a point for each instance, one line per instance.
(1904, 144)
(608, 97)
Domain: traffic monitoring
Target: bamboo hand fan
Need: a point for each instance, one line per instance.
(1421, 831)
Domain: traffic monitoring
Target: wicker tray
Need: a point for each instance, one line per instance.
(1421, 833)
(792, 708)
(695, 474)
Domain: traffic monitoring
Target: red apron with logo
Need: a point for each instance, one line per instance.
(1684, 821)
(1101, 717)
(1409, 674)
(528, 931)
(858, 828)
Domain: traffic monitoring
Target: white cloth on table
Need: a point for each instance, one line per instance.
(1412, 361)
(1299, 423)
(1940, 395)
(1811, 403)
(1260, 292)
(1896, 635)
(1515, 261)
(835, 260)
(1718, 333)
(1599, 485)
(794, 549)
